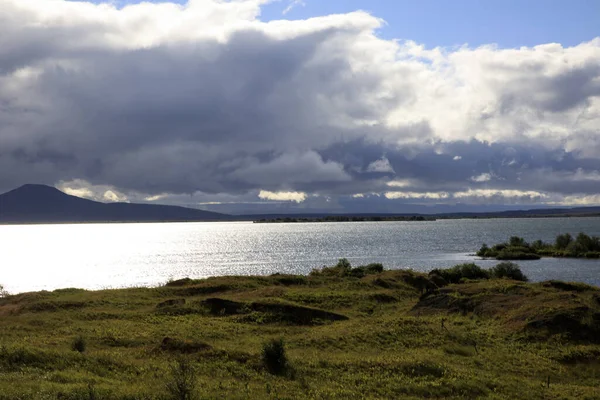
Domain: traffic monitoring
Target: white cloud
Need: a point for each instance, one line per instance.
(400, 183)
(84, 189)
(417, 195)
(579, 200)
(293, 4)
(297, 197)
(111, 197)
(84, 193)
(381, 165)
(503, 193)
(485, 177)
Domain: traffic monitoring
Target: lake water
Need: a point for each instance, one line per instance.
(95, 256)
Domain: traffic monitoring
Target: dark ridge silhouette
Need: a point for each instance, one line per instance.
(45, 204)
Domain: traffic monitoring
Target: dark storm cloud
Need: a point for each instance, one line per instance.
(168, 100)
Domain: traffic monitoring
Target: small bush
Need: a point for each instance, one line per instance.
(79, 344)
(3, 292)
(508, 270)
(274, 358)
(516, 241)
(182, 380)
(344, 269)
(460, 272)
(562, 241)
(484, 251)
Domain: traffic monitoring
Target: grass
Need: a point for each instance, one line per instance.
(583, 246)
(381, 334)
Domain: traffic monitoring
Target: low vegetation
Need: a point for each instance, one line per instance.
(342, 332)
(462, 272)
(583, 246)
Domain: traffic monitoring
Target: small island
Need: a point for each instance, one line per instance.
(565, 245)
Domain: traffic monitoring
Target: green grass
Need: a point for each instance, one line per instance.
(372, 335)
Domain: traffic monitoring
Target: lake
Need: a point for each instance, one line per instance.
(97, 256)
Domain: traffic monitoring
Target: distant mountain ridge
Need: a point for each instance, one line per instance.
(45, 204)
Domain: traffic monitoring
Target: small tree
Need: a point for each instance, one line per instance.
(182, 382)
(508, 270)
(562, 241)
(274, 357)
(79, 344)
(517, 241)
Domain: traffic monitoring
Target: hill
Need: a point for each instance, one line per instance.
(345, 336)
(45, 204)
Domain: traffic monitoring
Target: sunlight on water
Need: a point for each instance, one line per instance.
(93, 256)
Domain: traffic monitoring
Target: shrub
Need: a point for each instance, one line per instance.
(461, 271)
(343, 268)
(79, 344)
(562, 241)
(539, 245)
(484, 251)
(182, 380)
(508, 270)
(374, 268)
(517, 241)
(274, 358)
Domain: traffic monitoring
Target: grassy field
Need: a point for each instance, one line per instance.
(346, 336)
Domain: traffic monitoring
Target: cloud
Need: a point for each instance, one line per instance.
(416, 195)
(283, 196)
(382, 165)
(203, 102)
(485, 177)
(293, 4)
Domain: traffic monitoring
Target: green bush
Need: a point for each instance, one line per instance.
(461, 271)
(79, 344)
(539, 245)
(484, 251)
(562, 241)
(274, 358)
(343, 268)
(182, 380)
(508, 270)
(516, 241)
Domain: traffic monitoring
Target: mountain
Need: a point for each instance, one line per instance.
(45, 204)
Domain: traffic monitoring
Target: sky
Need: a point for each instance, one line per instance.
(257, 106)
